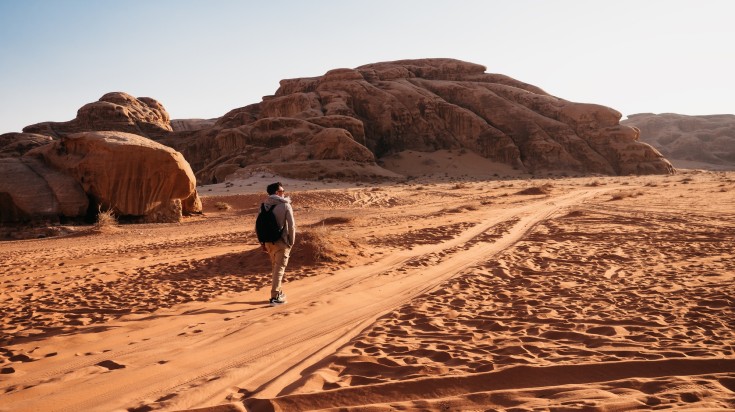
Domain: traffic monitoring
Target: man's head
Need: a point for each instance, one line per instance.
(275, 188)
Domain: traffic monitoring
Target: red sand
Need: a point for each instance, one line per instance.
(610, 293)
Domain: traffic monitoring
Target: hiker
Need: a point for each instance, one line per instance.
(280, 249)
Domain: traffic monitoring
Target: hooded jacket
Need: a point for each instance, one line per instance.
(284, 217)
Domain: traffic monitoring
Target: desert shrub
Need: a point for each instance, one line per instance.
(334, 220)
(105, 219)
(222, 206)
(625, 194)
(538, 190)
(319, 245)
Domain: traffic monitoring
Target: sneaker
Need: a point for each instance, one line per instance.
(278, 300)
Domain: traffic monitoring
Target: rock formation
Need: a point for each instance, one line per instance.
(17, 144)
(423, 105)
(346, 119)
(129, 174)
(31, 190)
(115, 111)
(186, 125)
(709, 140)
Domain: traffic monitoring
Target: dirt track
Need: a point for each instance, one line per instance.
(186, 323)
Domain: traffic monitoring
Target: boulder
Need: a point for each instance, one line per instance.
(31, 190)
(127, 173)
(116, 111)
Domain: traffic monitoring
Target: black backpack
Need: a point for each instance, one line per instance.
(266, 226)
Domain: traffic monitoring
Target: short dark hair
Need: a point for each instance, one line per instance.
(273, 188)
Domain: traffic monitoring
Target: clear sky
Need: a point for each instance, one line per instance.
(202, 58)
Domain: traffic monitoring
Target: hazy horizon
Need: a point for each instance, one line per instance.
(201, 60)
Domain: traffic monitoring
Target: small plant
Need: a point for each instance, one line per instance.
(544, 189)
(316, 244)
(222, 206)
(105, 219)
(625, 194)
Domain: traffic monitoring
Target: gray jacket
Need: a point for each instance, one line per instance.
(284, 217)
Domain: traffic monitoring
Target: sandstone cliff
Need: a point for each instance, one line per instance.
(423, 105)
(689, 141)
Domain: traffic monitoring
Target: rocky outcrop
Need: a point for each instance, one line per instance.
(705, 139)
(17, 144)
(115, 111)
(129, 174)
(422, 105)
(31, 190)
(187, 125)
(362, 114)
(221, 151)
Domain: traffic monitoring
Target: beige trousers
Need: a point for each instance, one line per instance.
(279, 253)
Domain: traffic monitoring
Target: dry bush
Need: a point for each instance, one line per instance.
(594, 183)
(625, 194)
(105, 219)
(538, 190)
(222, 206)
(334, 220)
(318, 244)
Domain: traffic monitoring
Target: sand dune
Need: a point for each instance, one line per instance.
(604, 293)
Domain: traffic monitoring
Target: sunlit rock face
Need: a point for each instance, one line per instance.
(127, 173)
(425, 105)
(361, 115)
(116, 111)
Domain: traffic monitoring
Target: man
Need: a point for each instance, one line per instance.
(280, 250)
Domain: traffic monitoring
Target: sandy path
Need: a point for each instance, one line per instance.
(240, 343)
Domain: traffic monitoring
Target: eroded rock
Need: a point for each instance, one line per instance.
(129, 174)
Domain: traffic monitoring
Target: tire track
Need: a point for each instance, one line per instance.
(392, 281)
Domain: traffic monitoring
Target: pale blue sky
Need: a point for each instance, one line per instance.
(201, 59)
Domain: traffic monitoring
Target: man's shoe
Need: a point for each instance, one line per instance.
(279, 300)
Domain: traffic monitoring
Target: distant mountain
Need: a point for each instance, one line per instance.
(420, 105)
(689, 141)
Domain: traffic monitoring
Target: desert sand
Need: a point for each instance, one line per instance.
(441, 293)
